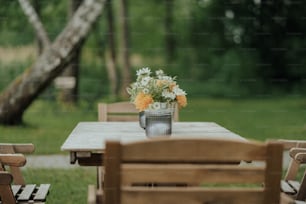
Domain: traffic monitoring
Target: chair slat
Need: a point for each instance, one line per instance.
(286, 188)
(17, 148)
(159, 151)
(145, 195)
(42, 192)
(192, 174)
(26, 192)
(123, 117)
(16, 189)
(295, 184)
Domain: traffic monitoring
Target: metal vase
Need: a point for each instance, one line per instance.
(158, 122)
(142, 119)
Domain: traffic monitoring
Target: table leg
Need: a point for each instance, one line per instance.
(73, 157)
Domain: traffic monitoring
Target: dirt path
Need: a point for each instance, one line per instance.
(49, 161)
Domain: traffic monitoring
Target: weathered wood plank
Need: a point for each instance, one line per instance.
(26, 192)
(286, 188)
(191, 174)
(42, 192)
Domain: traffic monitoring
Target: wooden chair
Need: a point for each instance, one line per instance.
(122, 111)
(118, 111)
(202, 164)
(290, 185)
(11, 159)
(8, 148)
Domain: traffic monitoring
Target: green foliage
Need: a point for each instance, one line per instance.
(233, 48)
(94, 81)
(9, 72)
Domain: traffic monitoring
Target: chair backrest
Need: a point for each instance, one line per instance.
(192, 171)
(13, 152)
(122, 111)
(119, 111)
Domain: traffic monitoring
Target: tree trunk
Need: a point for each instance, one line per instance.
(69, 94)
(111, 65)
(126, 68)
(33, 17)
(169, 38)
(37, 6)
(19, 95)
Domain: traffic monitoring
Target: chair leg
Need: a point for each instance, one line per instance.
(100, 177)
(91, 197)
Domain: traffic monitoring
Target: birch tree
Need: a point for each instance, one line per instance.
(20, 94)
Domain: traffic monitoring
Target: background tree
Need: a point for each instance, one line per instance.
(111, 58)
(170, 42)
(125, 49)
(69, 93)
(21, 92)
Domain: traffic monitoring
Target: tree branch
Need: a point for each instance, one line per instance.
(36, 23)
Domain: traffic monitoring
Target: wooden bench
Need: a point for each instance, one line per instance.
(13, 188)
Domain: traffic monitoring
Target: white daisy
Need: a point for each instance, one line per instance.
(159, 72)
(178, 91)
(145, 81)
(143, 72)
(168, 95)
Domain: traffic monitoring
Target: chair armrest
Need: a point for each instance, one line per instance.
(5, 178)
(301, 157)
(16, 160)
(298, 154)
(288, 144)
(24, 148)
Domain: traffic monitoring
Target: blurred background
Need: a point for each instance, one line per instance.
(215, 48)
(241, 62)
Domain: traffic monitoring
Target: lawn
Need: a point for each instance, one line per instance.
(47, 124)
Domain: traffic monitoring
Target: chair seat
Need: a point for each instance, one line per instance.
(290, 187)
(31, 193)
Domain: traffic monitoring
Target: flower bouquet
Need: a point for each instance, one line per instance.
(155, 96)
(155, 92)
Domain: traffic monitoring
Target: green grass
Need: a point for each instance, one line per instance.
(67, 186)
(47, 125)
(258, 119)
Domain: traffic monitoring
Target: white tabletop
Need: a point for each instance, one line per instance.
(91, 136)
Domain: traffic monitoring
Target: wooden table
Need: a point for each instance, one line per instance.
(86, 143)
